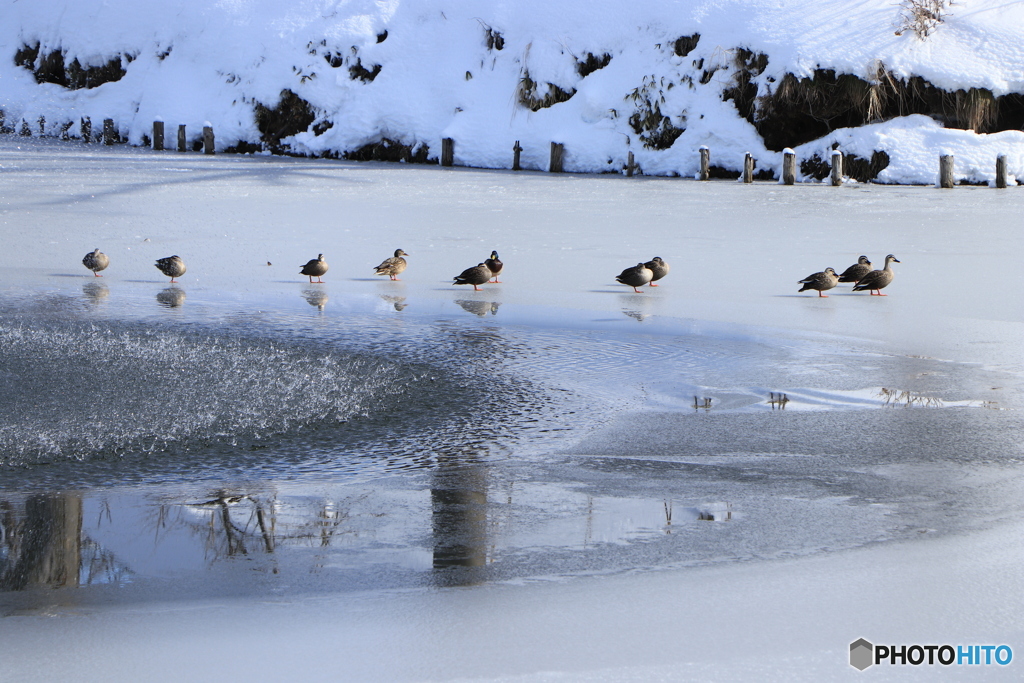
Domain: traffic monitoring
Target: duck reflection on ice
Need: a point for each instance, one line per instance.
(316, 298)
(480, 308)
(172, 297)
(95, 292)
(397, 301)
(636, 306)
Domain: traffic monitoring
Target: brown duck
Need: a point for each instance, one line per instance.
(315, 268)
(876, 280)
(96, 261)
(823, 281)
(392, 266)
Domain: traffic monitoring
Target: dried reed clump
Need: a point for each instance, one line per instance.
(536, 96)
(921, 16)
(655, 129)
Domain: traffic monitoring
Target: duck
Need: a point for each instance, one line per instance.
(657, 266)
(392, 266)
(637, 276)
(477, 275)
(823, 281)
(172, 266)
(96, 261)
(495, 265)
(858, 270)
(876, 280)
(315, 268)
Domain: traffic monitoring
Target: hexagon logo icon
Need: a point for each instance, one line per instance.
(861, 654)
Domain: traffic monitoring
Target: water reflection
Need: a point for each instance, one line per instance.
(458, 496)
(172, 297)
(316, 298)
(480, 308)
(95, 292)
(41, 546)
(397, 301)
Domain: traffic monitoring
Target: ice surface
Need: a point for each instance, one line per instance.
(547, 552)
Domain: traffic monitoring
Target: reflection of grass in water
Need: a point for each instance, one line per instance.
(906, 399)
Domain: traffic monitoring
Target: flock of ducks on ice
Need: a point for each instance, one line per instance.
(860, 273)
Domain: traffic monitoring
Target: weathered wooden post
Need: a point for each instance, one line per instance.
(181, 138)
(447, 152)
(837, 168)
(788, 166)
(748, 168)
(158, 135)
(108, 131)
(705, 162)
(946, 171)
(207, 139)
(557, 152)
(629, 165)
(1001, 171)
(516, 149)
(86, 128)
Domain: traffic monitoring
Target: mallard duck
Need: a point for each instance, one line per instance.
(477, 275)
(315, 268)
(172, 266)
(877, 279)
(637, 276)
(825, 280)
(392, 266)
(495, 265)
(858, 270)
(657, 266)
(96, 261)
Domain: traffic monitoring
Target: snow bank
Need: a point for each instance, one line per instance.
(602, 77)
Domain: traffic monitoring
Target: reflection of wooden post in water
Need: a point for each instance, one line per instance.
(45, 547)
(459, 497)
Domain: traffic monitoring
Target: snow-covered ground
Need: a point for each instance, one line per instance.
(852, 519)
(455, 69)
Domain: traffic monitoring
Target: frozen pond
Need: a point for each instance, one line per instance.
(587, 475)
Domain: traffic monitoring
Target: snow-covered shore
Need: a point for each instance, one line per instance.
(604, 79)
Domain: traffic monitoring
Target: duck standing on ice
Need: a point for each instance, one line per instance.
(315, 268)
(637, 276)
(877, 279)
(823, 281)
(96, 261)
(172, 266)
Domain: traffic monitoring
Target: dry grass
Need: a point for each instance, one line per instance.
(921, 16)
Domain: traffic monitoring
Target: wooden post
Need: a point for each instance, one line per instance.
(788, 167)
(515, 156)
(447, 152)
(181, 138)
(1001, 171)
(629, 165)
(705, 162)
(557, 151)
(748, 168)
(86, 128)
(108, 131)
(207, 139)
(946, 171)
(837, 168)
(158, 135)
